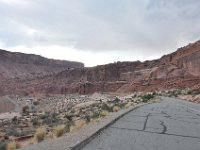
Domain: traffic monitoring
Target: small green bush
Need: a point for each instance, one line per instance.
(14, 120)
(87, 119)
(44, 116)
(67, 126)
(147, 97)
(3, 145)
(116, 100)
(95, 115)
(25, 110)
(103, 113)
(106, 107)
(35, 121)
(174, 94)
(36, 103)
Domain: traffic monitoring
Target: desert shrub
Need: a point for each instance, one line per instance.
(3, 145)
(106, 107)
(12, 132)
(31, 141)
(50, 135)
(47, 120)
(116, 108)
(40, 134)
(103, 113)
(36, 103)
(69, 117)
(95, 115)
(78, 124)
(14, 119)
(50, 120)
(59, 130)
(196, 92)
(134, 96)
(154, 93)
(173, 94)
(189, 92)
(25, 110)
(35, 121)
(121, 105)
(18, 145)
(13, 145)
(87, 119)
(147, 97)
(67, 126)
(44, 116)
(116, 100)
(128, 105)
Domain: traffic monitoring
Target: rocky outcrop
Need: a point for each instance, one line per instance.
(25, 66)
(177, 70)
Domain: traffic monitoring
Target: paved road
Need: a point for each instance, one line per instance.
(169, 125)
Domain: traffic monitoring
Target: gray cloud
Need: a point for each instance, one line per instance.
(139, 26)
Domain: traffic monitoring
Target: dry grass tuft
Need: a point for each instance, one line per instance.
(129, 104)
(103, 113)
(13, 145)
(40, 134)
(116, 109)
(31, 141)
(78, 125)
(50, 135)
(59, 130)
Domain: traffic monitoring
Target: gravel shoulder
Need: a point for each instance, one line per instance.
(75, 140)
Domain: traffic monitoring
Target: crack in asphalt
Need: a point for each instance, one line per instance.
(166, 115)
(152, 109)
(172, 118)
(197, 123)
(164, 127)
(133, 144)
(178, 135)
(145, 123)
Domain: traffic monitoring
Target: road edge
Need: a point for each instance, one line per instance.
(93, 135)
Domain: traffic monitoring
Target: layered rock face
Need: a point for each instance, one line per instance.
(17, 69)
(25, 66)
(177, 70)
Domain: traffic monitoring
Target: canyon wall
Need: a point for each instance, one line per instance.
(177, 70)
(25, 66)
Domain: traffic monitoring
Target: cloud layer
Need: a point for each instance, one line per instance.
(143, 27)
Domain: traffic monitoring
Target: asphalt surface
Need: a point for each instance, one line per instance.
(169, 125)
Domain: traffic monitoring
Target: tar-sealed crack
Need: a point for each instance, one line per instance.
(166, 114)
(178, 135)
(145, 123)
(164, 127)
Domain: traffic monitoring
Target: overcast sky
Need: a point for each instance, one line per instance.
(98, 31)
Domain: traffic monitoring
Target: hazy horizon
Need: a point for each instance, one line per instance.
(98, 32)
(50, 55)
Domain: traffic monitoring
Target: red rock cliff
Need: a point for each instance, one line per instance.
(23, 66)
(177, 70)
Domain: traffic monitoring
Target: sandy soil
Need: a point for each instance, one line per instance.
(9, 115)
